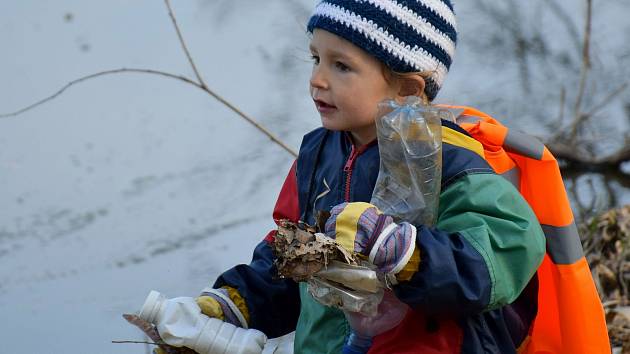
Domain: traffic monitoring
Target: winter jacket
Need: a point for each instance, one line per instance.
(476, 288)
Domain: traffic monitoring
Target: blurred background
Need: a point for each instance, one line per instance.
(131, 182)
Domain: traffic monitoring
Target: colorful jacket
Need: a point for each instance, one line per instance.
(475, 290)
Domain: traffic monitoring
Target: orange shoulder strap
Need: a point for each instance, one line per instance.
(570, 315)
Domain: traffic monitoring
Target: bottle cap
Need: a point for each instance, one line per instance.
(151, 307)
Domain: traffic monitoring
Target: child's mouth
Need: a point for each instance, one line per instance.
(324, 107)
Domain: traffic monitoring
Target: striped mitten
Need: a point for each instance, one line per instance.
(362, 228)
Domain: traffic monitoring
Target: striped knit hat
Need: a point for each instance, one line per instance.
(406, 35)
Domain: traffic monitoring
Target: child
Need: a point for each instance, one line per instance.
(471, 280)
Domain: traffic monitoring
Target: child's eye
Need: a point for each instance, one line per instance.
(315, 59)
(341, 66)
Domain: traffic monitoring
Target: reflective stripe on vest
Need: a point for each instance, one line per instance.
(563, 243)
(514, 142)
(524, 144)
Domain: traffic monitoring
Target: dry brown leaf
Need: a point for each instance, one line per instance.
(300, 253)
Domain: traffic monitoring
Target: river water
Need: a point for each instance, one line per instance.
(131, 182)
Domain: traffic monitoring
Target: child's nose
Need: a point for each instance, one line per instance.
(318, 79)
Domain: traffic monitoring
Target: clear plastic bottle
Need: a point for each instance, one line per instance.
(410, 149)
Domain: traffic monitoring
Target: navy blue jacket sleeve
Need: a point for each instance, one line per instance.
(273, 304)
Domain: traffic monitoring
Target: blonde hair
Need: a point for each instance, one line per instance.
(392, 76)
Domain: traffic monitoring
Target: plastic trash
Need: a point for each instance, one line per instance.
(181, 323)
(410, 148)
(336, 295)
(280, 345)
(357, 277)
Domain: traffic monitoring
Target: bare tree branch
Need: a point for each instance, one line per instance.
(253, 122)
(133, 342)
(586, 65)
(183, 43)
(563, 96)
(95, 75)
(564, 145)
(607, 99)
(568, 153)
(222, 100)
(200, 85)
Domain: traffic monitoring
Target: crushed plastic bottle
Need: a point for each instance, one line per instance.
(352, 288)
(410, 148)
(181, 323)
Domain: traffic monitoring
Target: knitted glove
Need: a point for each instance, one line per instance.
(225, 304)
(362, 228)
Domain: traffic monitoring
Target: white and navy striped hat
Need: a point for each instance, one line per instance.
(406, 35)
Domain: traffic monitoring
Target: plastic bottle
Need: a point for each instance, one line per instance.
(410, 149)
(181, 323)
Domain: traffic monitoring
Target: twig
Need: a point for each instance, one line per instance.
(610, 303)
(200, 85)
(586, 65)
(183, 43)
(269, 134)
(91, 76)
(133, 342)
(563, 96)
(607, 99)
(164, 74)
(569, 154)
(204, 87)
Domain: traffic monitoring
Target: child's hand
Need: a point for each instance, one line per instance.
(210, 307)
(224, 305)
(362, 228)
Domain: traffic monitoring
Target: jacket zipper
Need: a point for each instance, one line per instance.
(347, 168)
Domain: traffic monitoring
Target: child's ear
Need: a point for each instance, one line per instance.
(411, 85)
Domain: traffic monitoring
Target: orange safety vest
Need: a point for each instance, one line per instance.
(570, 316)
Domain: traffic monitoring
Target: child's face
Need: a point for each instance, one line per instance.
(347, 84)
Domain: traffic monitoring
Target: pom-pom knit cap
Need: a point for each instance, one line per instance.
(406, 35)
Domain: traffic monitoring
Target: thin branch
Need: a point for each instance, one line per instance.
(269, 134)
(183, 43)
(610, 303)
(95, 75)
(222, 100)
(586, 65)
(607, 99)
(134, 342)
(567, 151)
(572, 156)
(204, 87)
(201, 85)
(563, 97)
